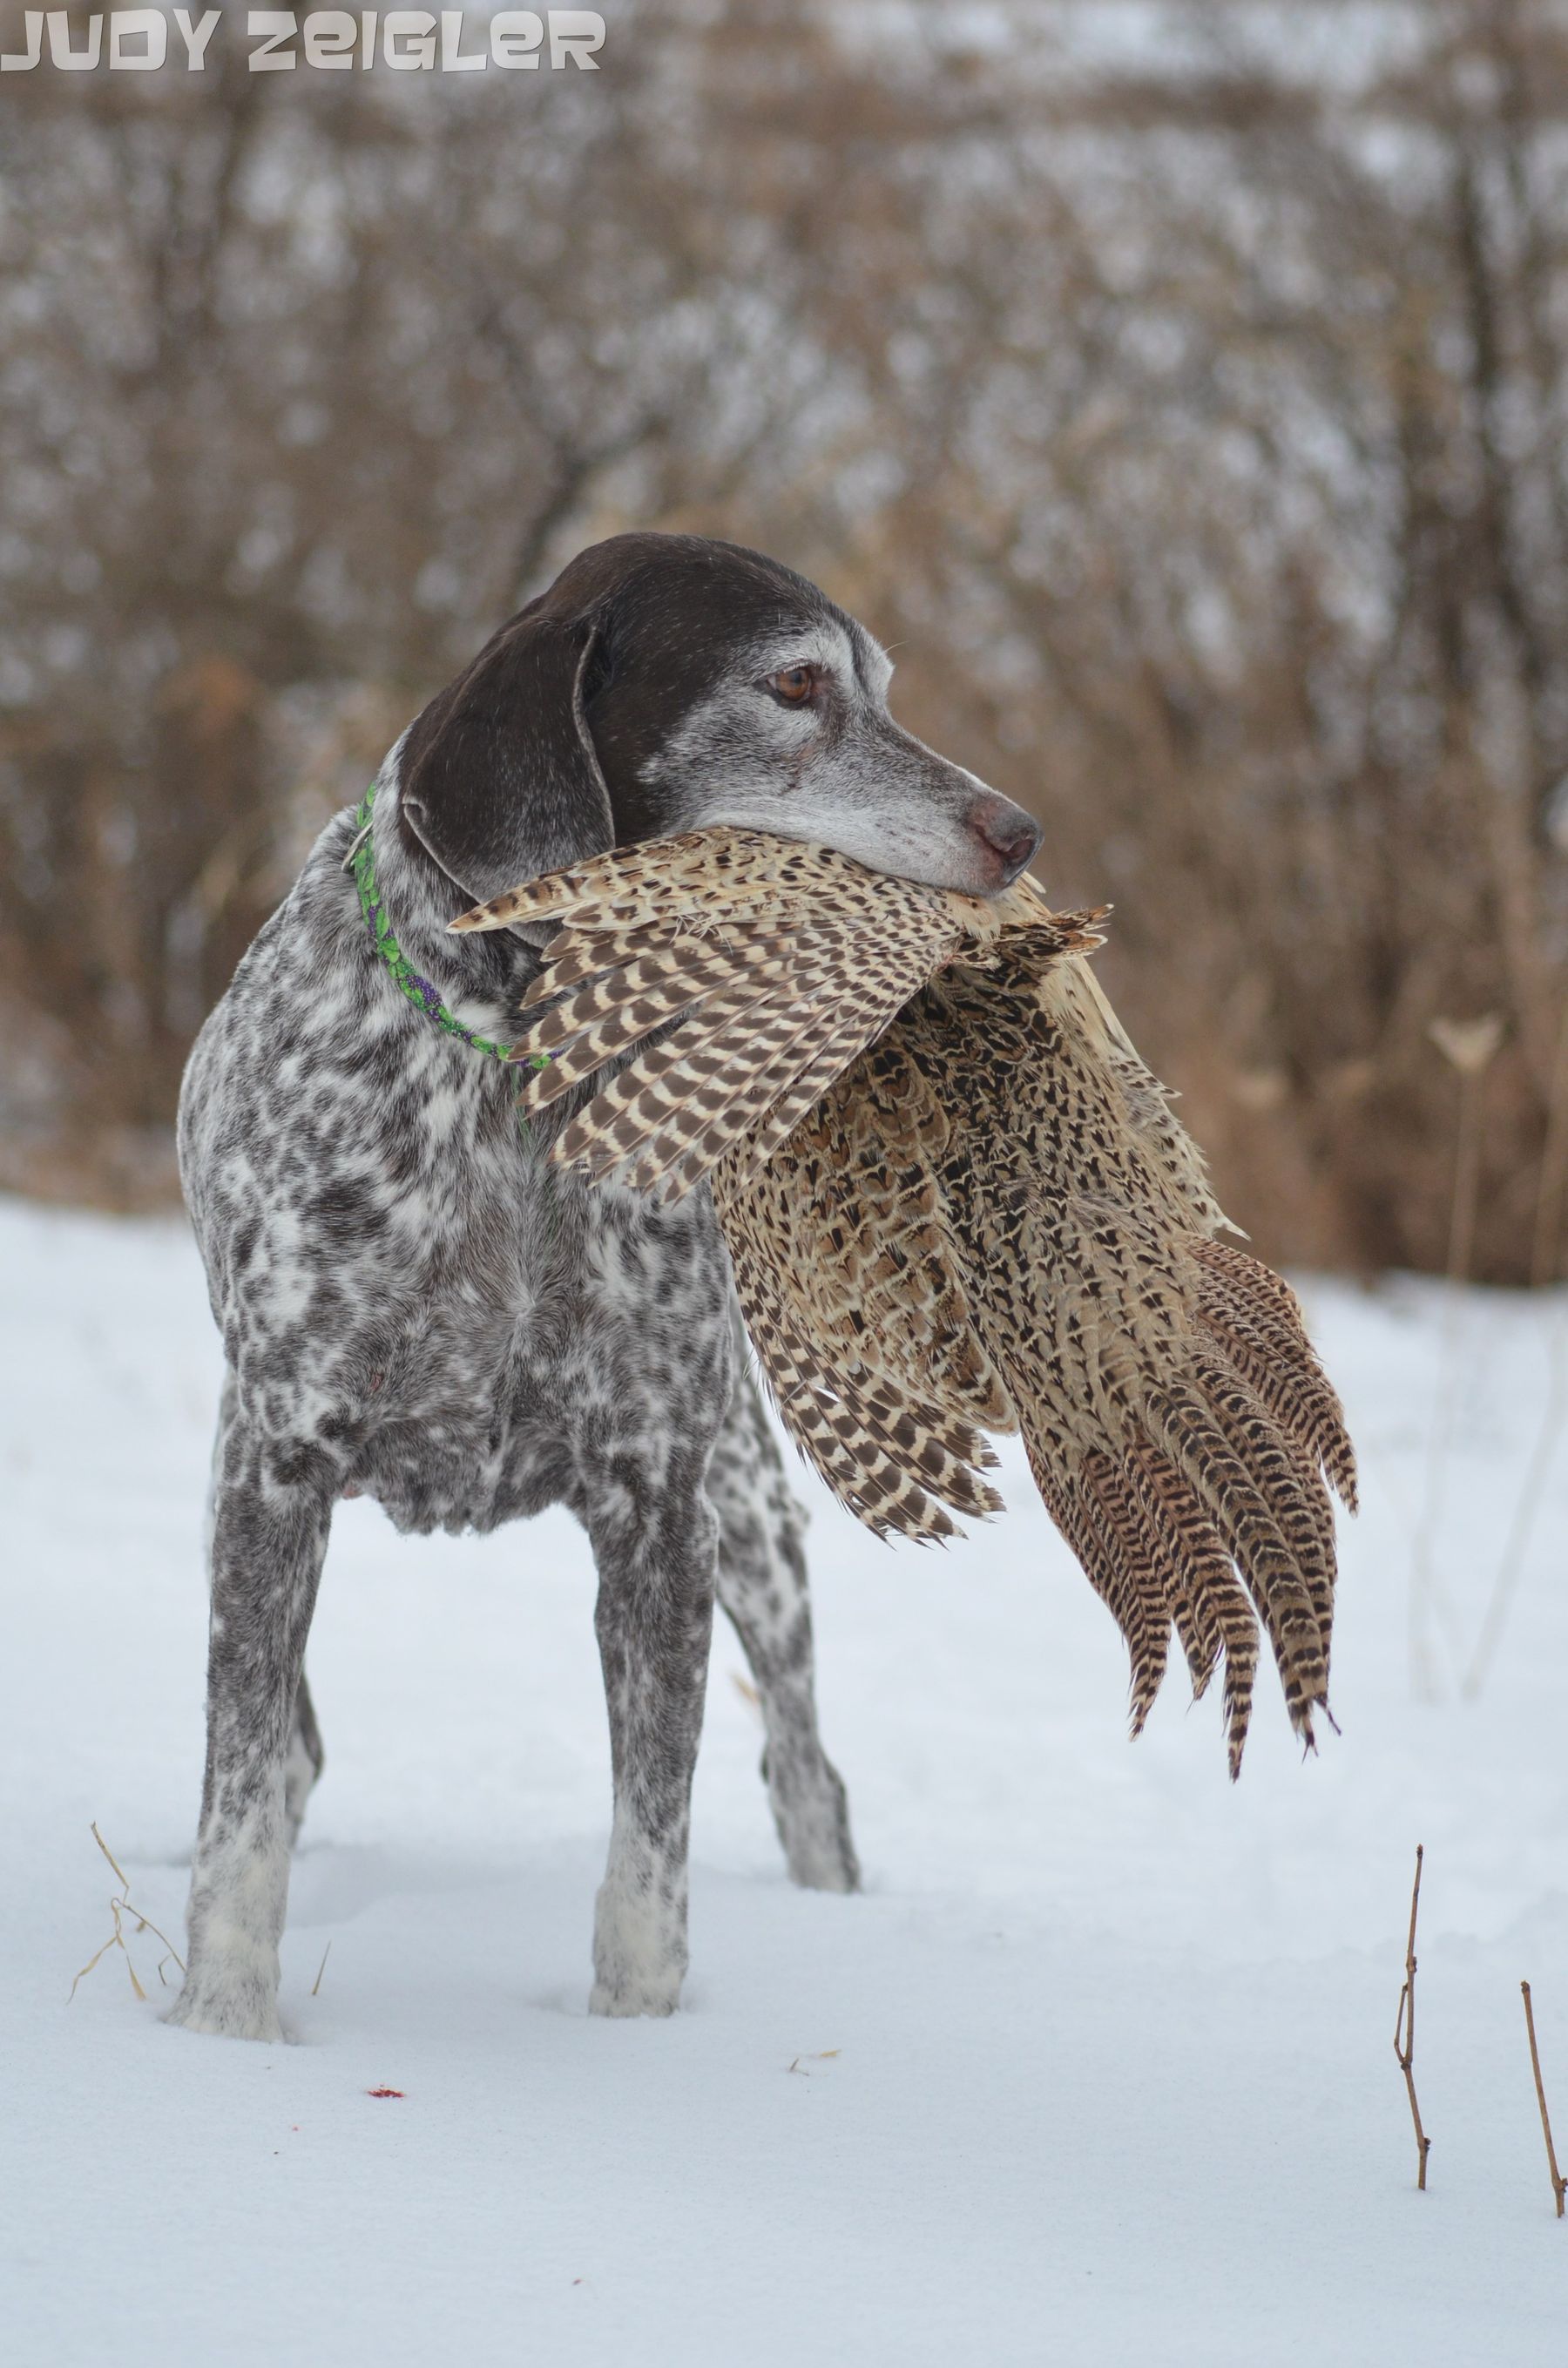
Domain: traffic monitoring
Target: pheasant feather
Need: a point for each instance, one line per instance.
(957, 1204)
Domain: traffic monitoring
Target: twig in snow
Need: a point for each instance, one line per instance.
(1404, 2029)
(120, 1905)
(1559, 2184)
(315, 1985)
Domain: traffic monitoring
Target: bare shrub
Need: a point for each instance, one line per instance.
(1194, 429)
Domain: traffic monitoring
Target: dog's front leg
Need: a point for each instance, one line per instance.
(762, 1587)
(657, 1551)
(272, 1512)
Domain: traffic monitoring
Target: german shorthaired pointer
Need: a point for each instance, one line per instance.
(417, 1309)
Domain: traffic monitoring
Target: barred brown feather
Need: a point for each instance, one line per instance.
(957, 1204)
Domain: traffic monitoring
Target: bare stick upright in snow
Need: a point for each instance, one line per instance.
(1404, 2029)
(1559, 2184)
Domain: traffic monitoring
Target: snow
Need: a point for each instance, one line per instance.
(1098, 2070)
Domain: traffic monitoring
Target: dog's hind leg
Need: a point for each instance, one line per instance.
(305, 1761)
(762, 1586)
(273, 1506)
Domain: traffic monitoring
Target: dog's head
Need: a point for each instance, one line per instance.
(664, 682)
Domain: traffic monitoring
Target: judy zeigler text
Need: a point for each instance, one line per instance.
(408, 41)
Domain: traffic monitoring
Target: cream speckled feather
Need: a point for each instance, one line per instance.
(957, 1204)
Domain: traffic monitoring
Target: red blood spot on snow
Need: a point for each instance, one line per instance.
(383, 2092)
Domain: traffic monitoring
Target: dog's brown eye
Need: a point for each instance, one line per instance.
(794, 685)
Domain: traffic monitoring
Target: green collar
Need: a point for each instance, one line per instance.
(418, 990)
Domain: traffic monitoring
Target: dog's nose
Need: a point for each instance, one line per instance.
(1012, 835)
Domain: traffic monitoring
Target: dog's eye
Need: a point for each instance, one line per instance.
(793, 685)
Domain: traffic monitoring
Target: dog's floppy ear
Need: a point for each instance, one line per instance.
(500, 778)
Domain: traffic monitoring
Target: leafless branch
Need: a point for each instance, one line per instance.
(1559, 2184)
(1404, 2029)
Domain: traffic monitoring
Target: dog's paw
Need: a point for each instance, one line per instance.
(811, 1814)
(639, 1946)
(627, 1998)
(244, 2010)
(817, 1867)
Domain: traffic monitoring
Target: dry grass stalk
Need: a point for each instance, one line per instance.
(1404, 2029)
(1543, 1270)
(1553, 1169)
(121, 1906)
(315, 1985)
(1521, 1529)
(1559, 2184)
(1468, 1047)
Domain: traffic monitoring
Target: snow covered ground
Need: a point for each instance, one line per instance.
(1099, 2068)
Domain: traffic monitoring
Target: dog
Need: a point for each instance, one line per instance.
(416, 1308)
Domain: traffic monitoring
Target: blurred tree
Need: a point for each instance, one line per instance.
(1192, 415)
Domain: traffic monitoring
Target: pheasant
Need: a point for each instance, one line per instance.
(958, 1205)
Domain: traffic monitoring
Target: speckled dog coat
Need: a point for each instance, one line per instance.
(415, 1308)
